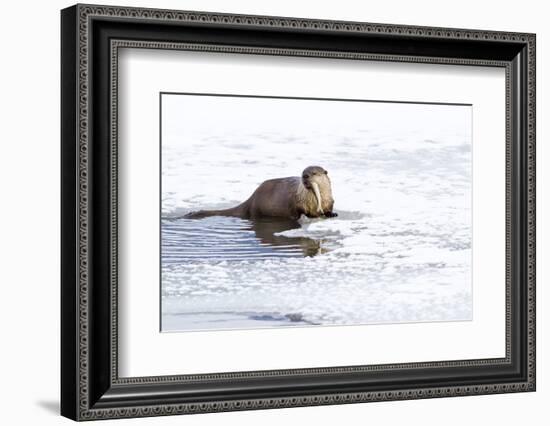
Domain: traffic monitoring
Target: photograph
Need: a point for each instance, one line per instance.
(297, 212)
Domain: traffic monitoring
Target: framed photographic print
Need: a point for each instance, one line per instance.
(263, 212)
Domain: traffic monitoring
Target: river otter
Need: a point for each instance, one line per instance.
(287, 198)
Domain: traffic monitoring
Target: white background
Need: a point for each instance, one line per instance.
(29, 225)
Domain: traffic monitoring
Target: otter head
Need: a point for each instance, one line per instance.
(316, 179)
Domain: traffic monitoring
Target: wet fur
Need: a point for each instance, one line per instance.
(287, 198)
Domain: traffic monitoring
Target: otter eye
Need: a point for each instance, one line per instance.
(326, 172)
(305, 176)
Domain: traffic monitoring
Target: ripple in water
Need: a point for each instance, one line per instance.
(228, 238)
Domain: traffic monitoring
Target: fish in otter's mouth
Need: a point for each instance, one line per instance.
(317, 193)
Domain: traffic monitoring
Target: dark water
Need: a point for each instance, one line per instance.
(228, 238)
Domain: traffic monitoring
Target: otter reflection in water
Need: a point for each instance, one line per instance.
(287, 198)
(266, 230)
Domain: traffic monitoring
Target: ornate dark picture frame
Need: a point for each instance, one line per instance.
(90, 386)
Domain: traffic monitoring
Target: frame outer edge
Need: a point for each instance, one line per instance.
(83, 83)
(69, 221)
(531, 214)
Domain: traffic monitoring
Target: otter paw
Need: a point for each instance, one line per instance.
(331, 214)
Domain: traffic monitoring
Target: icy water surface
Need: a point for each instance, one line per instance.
(229, 238)
(399, 251)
